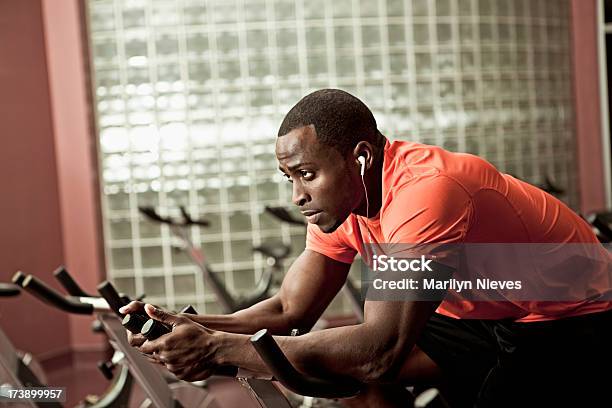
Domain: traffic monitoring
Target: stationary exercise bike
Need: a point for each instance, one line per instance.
(229, 303)
(157, 390)
(18, 370)
(275, 253)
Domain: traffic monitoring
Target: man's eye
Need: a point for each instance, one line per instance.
(308, 175)
(288, 177)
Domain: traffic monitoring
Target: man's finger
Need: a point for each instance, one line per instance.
(175, 368)
(136, 340)
(162, 316)
(149, 347)
(153, 360)
(133, 306)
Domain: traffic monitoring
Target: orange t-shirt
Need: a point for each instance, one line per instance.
(430, 195)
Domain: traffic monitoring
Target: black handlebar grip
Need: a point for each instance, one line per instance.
(153, 329)
(8, 289)
(283, 371)
(18, 278)
(189, 310)
(50, 296)
(110, 294)
(134, 322)
(64, 278)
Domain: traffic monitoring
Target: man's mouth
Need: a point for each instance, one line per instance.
(312, 215)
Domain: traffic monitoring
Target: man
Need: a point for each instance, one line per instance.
(485, 354)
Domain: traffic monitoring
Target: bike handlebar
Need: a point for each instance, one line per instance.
(286, 374)
(69, 284)
(48, 295)
(282, 214)
(8, 289)
(18, 278)
(153, 215)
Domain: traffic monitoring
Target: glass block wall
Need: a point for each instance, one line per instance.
(189, 95)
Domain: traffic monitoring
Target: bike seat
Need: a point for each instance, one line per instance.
(8, 289)
(273, 250)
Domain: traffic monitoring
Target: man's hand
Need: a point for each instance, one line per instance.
(189, 351)
(134, 306)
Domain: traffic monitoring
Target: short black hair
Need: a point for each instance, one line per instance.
(340, 119)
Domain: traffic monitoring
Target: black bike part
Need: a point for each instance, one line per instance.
(106, 367)
(153, 329)
(191, 221)
(189, 310)
(151, 214)
(284, 215)
(112, 297)
(50, 296)
(275, 250)
(226, 371)
(8, 289)
(69, 284)
(134, 322)
(96, 327)
(29, 379)
(286, 374)
(226, 299)
(603, 227)
(18, 278)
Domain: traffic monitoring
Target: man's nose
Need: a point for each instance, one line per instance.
(300, 197)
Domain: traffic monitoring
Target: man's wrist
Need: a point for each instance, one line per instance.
(231, 348)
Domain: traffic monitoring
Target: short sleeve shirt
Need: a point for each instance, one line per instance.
(430, 195)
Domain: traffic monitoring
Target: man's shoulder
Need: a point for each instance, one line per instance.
(410, 165)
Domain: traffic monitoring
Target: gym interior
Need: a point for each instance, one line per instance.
(138, 148)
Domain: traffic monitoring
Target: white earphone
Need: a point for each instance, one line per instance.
(362, 160)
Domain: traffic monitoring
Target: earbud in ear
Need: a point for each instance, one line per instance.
(362, 160)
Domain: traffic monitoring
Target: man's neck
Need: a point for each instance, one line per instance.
(373, 185)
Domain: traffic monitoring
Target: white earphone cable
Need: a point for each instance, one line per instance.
(365, 190)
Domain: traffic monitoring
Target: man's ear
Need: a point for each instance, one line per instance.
(365, 150)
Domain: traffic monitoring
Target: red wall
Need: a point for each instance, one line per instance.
(587, 106)
(75, 149)
(31, 227)
(49, 205)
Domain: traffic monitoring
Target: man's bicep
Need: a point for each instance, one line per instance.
(310, 285)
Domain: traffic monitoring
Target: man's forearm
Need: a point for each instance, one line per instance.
(267, 314)
(350, 351)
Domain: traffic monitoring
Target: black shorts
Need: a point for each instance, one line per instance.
(501, 363)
